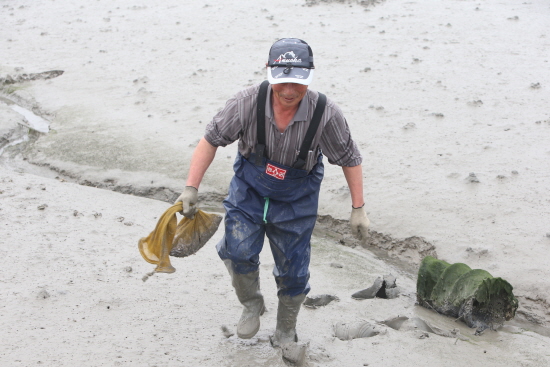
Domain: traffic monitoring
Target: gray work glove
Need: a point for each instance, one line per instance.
(359, 223)
(189, 198)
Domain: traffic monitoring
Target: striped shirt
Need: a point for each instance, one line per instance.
(237, 121)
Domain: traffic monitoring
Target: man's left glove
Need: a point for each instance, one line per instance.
(189, 198)
(359, 223)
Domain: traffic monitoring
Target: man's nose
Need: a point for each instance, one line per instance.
(289, 87)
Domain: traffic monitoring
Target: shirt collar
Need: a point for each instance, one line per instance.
(301, 113)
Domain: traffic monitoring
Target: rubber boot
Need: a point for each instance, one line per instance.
(247, 287)
(287, 315)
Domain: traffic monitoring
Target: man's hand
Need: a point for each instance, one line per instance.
(359, 223)
(189, 198)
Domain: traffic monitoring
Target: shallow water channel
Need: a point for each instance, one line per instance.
(29, 120)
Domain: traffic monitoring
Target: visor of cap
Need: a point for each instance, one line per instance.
(277, 75)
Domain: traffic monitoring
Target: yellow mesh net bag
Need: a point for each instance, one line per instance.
(177, 239)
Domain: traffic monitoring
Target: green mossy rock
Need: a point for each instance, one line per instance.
(456, 290)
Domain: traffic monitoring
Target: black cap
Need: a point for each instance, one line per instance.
(290, 61)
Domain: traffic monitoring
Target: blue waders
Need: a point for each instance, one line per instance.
(267, 198)
(285, 210)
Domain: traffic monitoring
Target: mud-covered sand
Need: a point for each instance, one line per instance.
(446, 99)
(73, 294)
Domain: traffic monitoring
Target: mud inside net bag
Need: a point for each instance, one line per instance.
(177, 239)
(192, 234)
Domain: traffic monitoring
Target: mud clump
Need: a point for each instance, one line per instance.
(294, 354)
(319, 301)
(385, 287)
(8, 79)
(411, 249)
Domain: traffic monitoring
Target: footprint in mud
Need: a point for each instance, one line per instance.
(294, 354)
(226, 332)
(364, 329)
(395, 322)
(354, 330)
(403, 323)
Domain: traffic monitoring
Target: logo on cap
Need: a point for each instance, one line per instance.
(287, 57)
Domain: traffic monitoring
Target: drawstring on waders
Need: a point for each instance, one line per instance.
(266, 205)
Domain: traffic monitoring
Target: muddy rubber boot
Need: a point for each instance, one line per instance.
(287, 315)
(247, 287)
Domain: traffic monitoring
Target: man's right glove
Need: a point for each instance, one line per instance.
(359, 223)
(189, 198)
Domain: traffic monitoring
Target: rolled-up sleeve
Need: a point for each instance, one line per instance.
(337, 144)
(225, 127)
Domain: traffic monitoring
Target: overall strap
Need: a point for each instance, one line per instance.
(311, 131)
(260, 116)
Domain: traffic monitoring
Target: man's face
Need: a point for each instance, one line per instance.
(288, 94)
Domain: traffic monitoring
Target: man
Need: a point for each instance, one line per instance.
(275, 188)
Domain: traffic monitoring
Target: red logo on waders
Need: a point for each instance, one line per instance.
(275, 171)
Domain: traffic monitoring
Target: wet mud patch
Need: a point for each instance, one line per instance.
(10, 86)
(407, 253)
(22, 118)
(533, 313)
